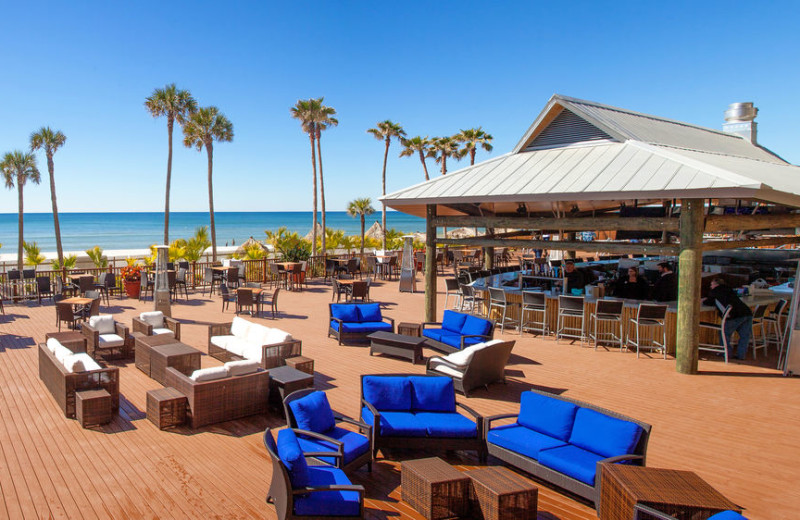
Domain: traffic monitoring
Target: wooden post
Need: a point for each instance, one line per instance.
(430, 264)
(690, 265)
(488, 257)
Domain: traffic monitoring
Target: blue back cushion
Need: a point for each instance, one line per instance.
(453, 321)
(313, 412)
(345, 312)
(432, 394)
(369, 312)
(292, 457)
(604, 435)
(547, 415)
(475, 325)
(388, 392)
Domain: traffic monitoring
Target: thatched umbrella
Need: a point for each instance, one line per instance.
(374, 231)
(320, 231)
(249, 243)
(461, 233)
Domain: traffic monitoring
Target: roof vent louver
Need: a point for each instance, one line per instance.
(567, 129)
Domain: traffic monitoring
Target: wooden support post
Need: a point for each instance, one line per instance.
(430, 264)
(690, 265)
(488, 257)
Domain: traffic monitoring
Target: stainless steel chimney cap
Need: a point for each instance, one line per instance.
(741, 112)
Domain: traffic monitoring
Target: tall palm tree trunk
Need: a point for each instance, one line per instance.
(56, 224)
(362, 236)
(472, 156)
(210, 150)
(314, 198)
(424, 166)
(321, 190)
(444, 164)
(170, 124)
(383, 178)
(20, 241)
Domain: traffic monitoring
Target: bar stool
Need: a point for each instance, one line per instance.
(497, 300)
(719, 328)
(468, 296)
(452, 289)
(649, 316)
(607, 311)
(773, 322)
(758, 321)
(570, 307)
(533, 303)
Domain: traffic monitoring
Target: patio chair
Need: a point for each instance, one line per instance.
(92, 309)
(294, 276)
(242, 274)
(273, 302)
(43, 288)
(211, 278)
(65, 312)
(65, 288)
(758, 323)
(359, 290)
(228, 297)
(498, 301)
(722, 346)
(372, 265)
(330, 269)
(232, 277)
(570, 308)
(145, 284)
(534, 304)
(102, 286)
(608, 313)
(470, 298)
(245, 300)
(649, 317)
(86, 283)
(452, 289)
(772, 324)
(474, 367)
(337, 290)
(181, 281)
(104, 334)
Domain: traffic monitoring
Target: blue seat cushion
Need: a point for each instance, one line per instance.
(571, 461)
(369, 312)
(522, 440)
(604, 435)
(474, 325)
(367, 327)
(727, 515)
(453, 321)
(547, 415)
(446, 424)
(345, 312)
(451, 338)
(434, 334)
(355, 445)
(327, 503)
(391, 393)
(432, 394)
(396, 424)
(313, 412)
(292, 457)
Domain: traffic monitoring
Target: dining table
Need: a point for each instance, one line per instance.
(288, 268)
(257, 292)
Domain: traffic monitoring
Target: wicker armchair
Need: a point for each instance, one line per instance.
(474, 366)
(148, 329)
(99, 337)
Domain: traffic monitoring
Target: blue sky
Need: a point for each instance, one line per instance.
(85, 68)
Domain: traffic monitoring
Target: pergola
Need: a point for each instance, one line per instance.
(582, 166)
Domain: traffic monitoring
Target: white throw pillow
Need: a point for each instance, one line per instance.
(276, 336)
(61, 353)
(239, 327)
(154, 318)
(52, 344)
(104, 323)
(241, 368)
(209, 374)
(252, 352)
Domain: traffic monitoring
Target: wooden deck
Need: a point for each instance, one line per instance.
(735, 425)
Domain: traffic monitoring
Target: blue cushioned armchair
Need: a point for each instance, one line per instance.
(420, 412)
(355, 321)
(456, 331)
(300, 491)
(310, 414)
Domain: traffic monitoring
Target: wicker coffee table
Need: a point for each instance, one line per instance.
(143, 345)
(409, 329)
(408, 347)
(681, 494)
(501, 494)
(155, 353)
(434, 488)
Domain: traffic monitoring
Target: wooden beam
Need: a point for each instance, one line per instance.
(717, 223)
(470, 209)
(430, 264)
(566, 224)
(716, 245)
(690, 267)
(601, 247)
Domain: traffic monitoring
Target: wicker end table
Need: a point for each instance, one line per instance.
(75, 341)
(410, 329)
(93, 407)
(301, 363)
(143, 346)
(681, 494)
(434, 488)
(500, 494)
(166, 407)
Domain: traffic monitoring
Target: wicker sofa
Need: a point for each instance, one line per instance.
(223, 399)
(457, 331)
(154, 322)
(563, 441)
(63, 384)
(475, 366)
(242, 339)
(356, 321)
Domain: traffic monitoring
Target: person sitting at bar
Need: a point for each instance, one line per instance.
(740, 319)
(632, 286)
(666, 287)
(574, 277)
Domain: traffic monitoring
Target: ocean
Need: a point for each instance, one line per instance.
(81, 231)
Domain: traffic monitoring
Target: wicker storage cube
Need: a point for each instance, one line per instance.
(93, 407)
(435, 488)
(166, 407)
(301, 363)
(410, 329)
(499, 494)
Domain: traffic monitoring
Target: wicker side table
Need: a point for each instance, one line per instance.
(93, 407)
(410, 329)
(499, 494)
(301, 363)
(434, 488)
(166, 407)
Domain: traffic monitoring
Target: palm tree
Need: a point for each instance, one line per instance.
(444, 147)
(303, 111)
(202, 128)
(420, 145)
(323, 119)
(361, 208)
(472, 138)
(51, 141)
(18, 168)
(385, 131)
(176, 105)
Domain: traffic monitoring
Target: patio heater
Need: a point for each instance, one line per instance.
(408, 277)
(161, 288)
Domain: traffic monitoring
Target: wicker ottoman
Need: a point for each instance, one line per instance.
(93, 407)
(499, 494)
(434, 488)
(166, 407)
(301, 363)
(410, 329)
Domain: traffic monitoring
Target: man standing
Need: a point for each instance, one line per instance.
(740, 319)
(575, 279)
(666, 287)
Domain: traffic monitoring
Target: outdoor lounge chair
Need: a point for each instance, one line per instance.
(103, 334)
(154, 322)
(475, 366)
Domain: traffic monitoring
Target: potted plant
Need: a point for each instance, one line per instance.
(131, 275)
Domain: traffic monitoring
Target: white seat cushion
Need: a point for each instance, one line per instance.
(111, 341)
(154, 318)
(81, 362)
(209, 374)
(52, 344)
(237, 346)
(448, 371)
(160, 330)
(252, 352)
(463, 357)
(104, 323)
(239, 327)
(276, 336)
(62, 352)
(241, 368)
(221, 341)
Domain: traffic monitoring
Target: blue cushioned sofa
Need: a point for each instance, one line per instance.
(408, 411)
(456, 331)
(563, 441)
(355, 321)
